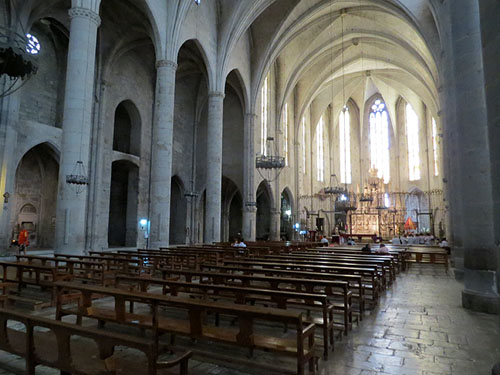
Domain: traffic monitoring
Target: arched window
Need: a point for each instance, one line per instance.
(345, 146)
(379, 140)
(320, 156)
(263, 117)
(304, 144)
(435, 147)
(285, 133)
(412, 133)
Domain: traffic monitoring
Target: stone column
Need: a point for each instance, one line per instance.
(249, 205)
(249, 221)
(161, 163)
(71, 220)
(474, 175)
(275, 224)
(214, 166)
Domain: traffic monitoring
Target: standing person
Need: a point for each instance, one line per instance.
(366, 249)
(22, 241)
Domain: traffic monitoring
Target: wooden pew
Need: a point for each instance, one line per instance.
(248, 334)
(326, 261)
(368, 272)
(77, 269)
(38, 347)
(45, 276)
(354, 282)
(273, 283)
(282, 299)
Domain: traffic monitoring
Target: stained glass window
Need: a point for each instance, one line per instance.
(345, 146)
(412, 133)
(285, 133)
(379, 140)
(320, 156)
(435, 147)
(263, 117)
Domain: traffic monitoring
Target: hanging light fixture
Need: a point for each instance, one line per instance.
(18, 53)
(78, 180)
(270, 166)
(335, 188)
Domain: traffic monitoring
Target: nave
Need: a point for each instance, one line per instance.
(407, 318)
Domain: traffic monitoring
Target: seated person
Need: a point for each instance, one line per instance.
(324, 241)
(443, 243)
(236, 242)
(241, 243)
(382, 249)
(351, 242)
(366, 249)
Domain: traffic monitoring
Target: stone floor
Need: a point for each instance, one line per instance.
(419, 327)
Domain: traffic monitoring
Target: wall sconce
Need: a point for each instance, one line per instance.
(6, 197)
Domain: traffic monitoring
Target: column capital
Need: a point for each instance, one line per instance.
(166, 64)
(216, 94)
(76, 12)
(249, 114)
(250, 207)
(275, 211)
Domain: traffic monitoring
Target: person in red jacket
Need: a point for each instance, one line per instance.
(22, 240)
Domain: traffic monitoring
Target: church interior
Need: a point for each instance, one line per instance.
(249, 186)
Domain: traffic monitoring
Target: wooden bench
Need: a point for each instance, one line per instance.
(281, 299)
(248, 334)
(354, 282)
(369, 273)
(81, 269)
(44, 276)
(58, 350)
(327, 287)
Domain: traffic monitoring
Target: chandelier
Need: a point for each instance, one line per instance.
(18, 57)
(334, 189)
(270, 166)
(78, 179)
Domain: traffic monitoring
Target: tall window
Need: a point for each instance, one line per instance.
(304, 143)
(412, 133)
(285, 133)
(345, 146)
(263, 117)
(320, 156)
(435, 147)
(379, 140)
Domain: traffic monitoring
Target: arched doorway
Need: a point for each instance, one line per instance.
(37, 177)
(286, 219)
(264, 204)
(123, 201)
(232, 213)
(177, 212)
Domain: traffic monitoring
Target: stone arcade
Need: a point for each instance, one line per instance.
(168, 102)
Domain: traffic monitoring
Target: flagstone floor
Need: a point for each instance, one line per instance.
(419, 327)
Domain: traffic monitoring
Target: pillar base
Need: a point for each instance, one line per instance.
(480, 302)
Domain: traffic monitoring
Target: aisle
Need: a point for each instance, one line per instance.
(421, 328)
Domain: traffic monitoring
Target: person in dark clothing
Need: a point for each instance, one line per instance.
(366, 249)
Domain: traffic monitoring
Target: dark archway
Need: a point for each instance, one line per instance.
(232, 213)
(286, 218)
(123, 202)
(264, 204)
(178, 209)
(35, 195)
(127, 129)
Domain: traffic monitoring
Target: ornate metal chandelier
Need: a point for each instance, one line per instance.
(18, 57)
(270, 165)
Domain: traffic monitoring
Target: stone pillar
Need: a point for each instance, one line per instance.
(249, 221)
(71, 220)
(214, 166)
(161, 159)
(249, 205)
(275, 224)
(474, 175)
